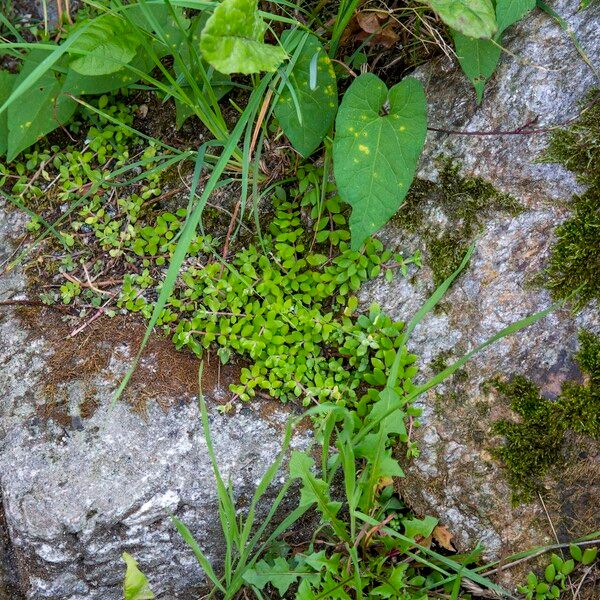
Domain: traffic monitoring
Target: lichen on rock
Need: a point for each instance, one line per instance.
(533, 445)
(449, 213)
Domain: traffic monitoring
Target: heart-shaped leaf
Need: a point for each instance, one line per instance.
(108, 44)
(232, 40)
(315, 88)
(473, 18)
(478, 59)
(375, 154)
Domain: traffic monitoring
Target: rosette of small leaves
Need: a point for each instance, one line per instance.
(291, 313)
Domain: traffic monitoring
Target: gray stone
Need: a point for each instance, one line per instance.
(455, 477)
(78, 492)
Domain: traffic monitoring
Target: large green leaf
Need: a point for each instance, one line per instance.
(316, 100)
(44, 108)
(232, 40)
(81, 85)
(511, 11)
(108, 44)
(135, 586)
(474, 18)
(478, 59)
(375, 154)
(7, 81)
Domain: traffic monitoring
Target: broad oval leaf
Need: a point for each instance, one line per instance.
(315, 98)
(374, 154)
(44, 108)
(511, 11)
(232, 40)
(473, 18)
(6, 85)
(135, 586)
(108, 44)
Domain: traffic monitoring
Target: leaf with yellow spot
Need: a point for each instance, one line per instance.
(306, 119)
(379, 135)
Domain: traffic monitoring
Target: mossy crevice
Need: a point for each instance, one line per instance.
(574, 265)
(533, 445)
(465, 204)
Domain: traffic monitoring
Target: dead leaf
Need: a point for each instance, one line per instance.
(443, 537)
(375, 27)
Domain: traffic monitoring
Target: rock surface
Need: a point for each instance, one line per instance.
(455, 477)
(83, 479)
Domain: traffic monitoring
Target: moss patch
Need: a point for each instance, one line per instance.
(574, 262)
(465, 202)
(533, 445)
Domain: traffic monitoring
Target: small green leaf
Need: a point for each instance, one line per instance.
(135, 586)
(107, 45)
(589, 556)
(576, 552)
(232, 40)
(474, 18)
(317, 104)
(375, 155)
(419, 527)
(550, 573)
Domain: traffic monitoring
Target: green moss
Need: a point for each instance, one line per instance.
(574, 264)
(533, 445)
(466, 202)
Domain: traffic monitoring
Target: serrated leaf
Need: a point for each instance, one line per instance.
(6, 85)
(279, 575)
(478, 59)
(135, 585)
(317, 100)
(414, 528)
(315, 490)
(232, 40)
(511, 11)
(473, 18)
(107, 45)
(375, 155)
(42, 109)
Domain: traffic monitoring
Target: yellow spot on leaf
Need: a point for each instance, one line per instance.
(364, 149)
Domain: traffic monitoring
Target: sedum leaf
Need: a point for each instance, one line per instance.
(375, 154)
(474, 18)
(232, 40)
(40, 111)
(317, 100)
(107, 45)
(135, 586)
